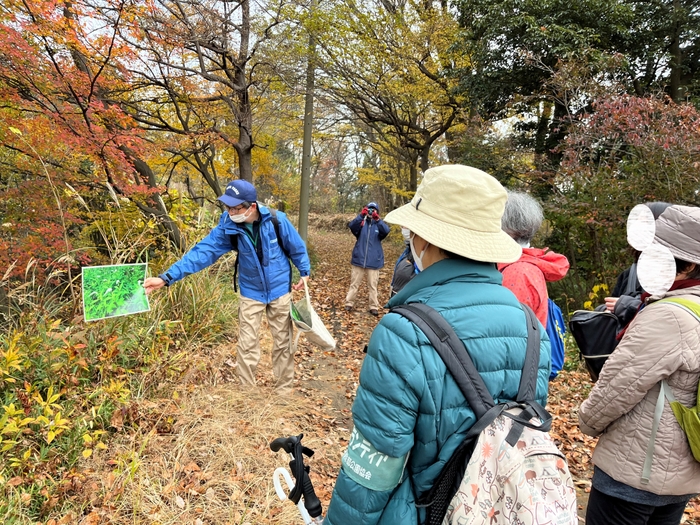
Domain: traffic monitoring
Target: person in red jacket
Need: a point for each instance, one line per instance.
(527, 277)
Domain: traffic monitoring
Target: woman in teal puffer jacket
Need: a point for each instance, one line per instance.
(409, 414)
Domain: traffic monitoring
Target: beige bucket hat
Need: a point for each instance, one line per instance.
(678, 228)
(459, 208)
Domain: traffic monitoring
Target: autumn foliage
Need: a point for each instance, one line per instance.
(628, 150)
(120, 122)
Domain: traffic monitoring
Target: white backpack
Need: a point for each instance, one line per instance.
(528, 483)
(514, 473)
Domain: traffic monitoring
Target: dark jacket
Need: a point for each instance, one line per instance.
(404, 270)
(368, 252)
(629, 292)
(409, 412)
(625, 286)
(263, 278)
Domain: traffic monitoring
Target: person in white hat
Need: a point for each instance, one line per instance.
(409, 414)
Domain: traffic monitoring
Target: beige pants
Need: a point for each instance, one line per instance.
(356, 276)
(278, 319)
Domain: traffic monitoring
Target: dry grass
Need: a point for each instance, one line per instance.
(200, 454)
(213, 467)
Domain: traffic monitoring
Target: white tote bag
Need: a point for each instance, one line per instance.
(309, 323)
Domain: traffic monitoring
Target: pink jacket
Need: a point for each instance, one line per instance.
(527, 277)
(662, 342)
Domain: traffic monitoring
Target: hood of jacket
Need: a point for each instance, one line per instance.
(552, 264)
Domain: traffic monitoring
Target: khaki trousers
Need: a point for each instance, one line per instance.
(356, 276)
(280, 322)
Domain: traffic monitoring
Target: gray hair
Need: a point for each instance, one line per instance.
(522, 217)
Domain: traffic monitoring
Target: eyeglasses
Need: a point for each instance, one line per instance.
(240, 207)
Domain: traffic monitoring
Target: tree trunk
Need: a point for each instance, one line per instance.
(557, 132)
(157, 207)
(245, 124)
(676, 56)
(541, 133)
(412, 176)
(452, 147)
(425, 158)
(308, 134)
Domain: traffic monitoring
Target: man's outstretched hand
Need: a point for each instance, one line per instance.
(153, 283)
(300, 284)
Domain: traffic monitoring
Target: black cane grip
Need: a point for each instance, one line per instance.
(311, 501)
(282, 443)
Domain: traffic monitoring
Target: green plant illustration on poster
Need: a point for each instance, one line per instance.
(111, 291)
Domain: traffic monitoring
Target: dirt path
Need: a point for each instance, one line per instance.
(200, 454)
(335, 373)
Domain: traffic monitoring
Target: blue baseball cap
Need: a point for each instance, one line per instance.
(237, 192)
(373, 205)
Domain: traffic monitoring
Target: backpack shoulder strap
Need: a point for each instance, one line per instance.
(234, 246)
(276, 226)
(686, 304)
(452, 351)
(528, 379)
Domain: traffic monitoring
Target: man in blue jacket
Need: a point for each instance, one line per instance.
(265, 243)
(367, 255)
(409, 414)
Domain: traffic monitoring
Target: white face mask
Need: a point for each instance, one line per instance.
(241, 217)
(418, 259)
(406, 234)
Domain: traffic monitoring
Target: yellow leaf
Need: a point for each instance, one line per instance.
(87, 453)
(87, 438)
(101, 446)
(15, 131)
(50, 436)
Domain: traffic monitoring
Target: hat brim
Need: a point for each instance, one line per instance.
(230, 201)
(494, 247)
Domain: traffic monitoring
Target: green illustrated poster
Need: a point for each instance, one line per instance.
(111, 291)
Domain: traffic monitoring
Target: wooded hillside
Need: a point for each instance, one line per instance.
(121, 122)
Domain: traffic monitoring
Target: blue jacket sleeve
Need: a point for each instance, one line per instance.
(295, 247)
(201, 255)
(355, 225)
(383, 229)
(353, 503)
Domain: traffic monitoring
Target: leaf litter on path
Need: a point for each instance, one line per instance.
(202, 454)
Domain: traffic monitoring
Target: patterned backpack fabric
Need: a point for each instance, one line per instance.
(508, 470)
(528, 483)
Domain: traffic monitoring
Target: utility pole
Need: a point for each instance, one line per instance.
(308, 128)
